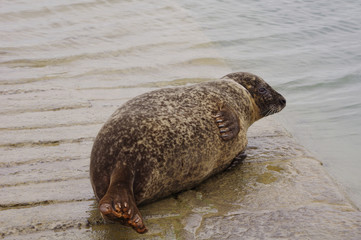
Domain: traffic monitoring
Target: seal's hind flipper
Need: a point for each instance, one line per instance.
(118, 204)
(227, 122)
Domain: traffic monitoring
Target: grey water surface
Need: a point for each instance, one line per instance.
(311, 52)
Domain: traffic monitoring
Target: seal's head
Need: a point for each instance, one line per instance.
(267, 99)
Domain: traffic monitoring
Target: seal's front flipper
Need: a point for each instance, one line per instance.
(118, 204)
(227, 122)
(237, 160)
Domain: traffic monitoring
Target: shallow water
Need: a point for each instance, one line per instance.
(57, 51)
(311, 52)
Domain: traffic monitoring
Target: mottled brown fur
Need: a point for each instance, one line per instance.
(172, 139)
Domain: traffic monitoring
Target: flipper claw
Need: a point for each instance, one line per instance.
(227, 122)
(121, 207)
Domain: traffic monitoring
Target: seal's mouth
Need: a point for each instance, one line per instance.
(274, 109)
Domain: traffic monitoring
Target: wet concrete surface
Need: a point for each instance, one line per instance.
(278, 192)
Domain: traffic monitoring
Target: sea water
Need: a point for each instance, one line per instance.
(310, 51)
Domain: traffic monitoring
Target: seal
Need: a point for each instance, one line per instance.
(169, 140)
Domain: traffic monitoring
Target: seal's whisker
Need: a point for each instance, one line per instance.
(268, 113)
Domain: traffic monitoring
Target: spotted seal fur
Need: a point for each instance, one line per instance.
(171, 139)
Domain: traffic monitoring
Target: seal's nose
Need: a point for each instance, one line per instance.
(282, 101)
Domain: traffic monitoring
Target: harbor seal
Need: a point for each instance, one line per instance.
(169, 140)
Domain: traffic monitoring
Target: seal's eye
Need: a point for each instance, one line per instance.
(262, 90)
